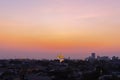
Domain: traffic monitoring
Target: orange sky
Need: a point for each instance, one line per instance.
(60, 26)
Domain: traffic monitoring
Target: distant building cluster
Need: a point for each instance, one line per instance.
(93, 68)
(105, 58)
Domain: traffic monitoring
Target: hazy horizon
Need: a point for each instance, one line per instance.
(44, 28)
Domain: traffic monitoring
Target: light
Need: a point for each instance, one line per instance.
(60, 57)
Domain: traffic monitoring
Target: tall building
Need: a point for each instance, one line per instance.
(93, 55)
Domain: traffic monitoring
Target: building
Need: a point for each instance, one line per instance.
(91, 58)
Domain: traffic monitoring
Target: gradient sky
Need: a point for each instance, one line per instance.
(44, 28)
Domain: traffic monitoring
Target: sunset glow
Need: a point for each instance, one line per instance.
(44, 28)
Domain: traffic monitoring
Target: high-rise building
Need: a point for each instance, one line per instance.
(91, 58)
(93, 55)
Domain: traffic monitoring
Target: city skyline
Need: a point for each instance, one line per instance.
(45, 28)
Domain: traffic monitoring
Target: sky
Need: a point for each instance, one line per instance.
(41, 29)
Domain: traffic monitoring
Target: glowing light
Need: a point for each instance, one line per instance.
(60, 57)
